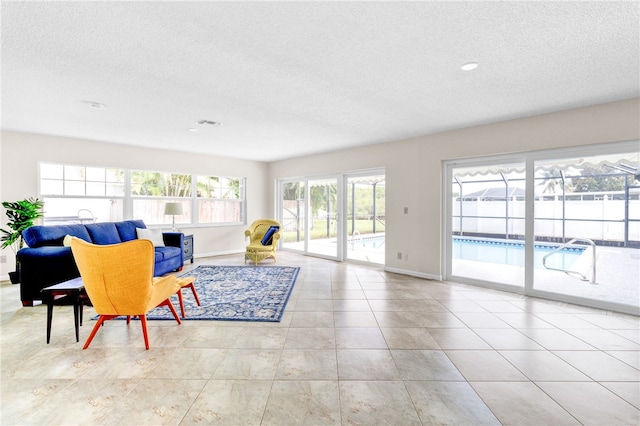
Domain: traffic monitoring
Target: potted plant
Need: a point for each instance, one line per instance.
(21, 216)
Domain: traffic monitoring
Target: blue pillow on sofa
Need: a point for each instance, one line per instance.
(103, 233)
(268, 236)
(127, 229)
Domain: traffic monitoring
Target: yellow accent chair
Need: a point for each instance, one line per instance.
(119, 281)
(263, 240)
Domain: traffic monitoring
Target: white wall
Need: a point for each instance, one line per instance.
(414, 168)
(21, 152)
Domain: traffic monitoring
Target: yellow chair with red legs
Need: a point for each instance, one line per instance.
(119, 280)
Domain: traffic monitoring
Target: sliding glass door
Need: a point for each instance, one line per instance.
(293, 214)
(323, 222)
(309, 215)
(366, 219)
(335, 217)
(487, 223)
(562, 224)
(587, 211)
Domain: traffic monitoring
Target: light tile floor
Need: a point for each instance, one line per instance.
(356, 345)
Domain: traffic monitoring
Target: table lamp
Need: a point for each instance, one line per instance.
(173, 209)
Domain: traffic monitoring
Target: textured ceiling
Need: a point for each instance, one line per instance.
(293, 78)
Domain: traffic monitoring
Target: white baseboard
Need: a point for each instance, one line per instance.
(413, 273)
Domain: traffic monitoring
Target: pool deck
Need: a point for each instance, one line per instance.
(617, 276)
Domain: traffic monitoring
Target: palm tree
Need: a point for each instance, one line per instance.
(551, 181)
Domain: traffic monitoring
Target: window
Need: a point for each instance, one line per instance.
(150, 191)
(58, 179)
(79, 194)
(82, 194)
(220, 199)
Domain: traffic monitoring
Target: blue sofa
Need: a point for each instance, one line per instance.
(46, 261)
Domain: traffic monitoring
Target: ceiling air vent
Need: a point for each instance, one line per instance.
(209, 122)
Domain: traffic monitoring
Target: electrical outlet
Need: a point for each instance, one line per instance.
(399, 256)
(406, 210)
(3, 259)
(406, 256)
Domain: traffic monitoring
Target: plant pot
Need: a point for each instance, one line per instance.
(14, 277)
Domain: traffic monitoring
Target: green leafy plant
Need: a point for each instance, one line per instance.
(22, 215)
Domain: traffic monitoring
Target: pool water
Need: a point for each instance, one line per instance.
(512, 253)
(368, 243)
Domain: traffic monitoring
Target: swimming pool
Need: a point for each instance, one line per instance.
(375, 243)
(512, 252)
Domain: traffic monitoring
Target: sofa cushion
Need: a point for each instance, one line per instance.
(127, 229)
(47, 252)
(103, 233)
(40, 236)
(163, 253)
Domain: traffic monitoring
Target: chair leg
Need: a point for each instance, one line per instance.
(76, 318)
(168, 303)
(181, 302)
(195, 295)
(143, 322)
(96, 327)
(49, 318)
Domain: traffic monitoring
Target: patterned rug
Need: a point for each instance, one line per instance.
(235, 293)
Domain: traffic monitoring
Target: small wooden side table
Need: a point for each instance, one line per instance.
(64, 294)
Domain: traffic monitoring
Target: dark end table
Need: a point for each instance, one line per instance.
(65, 294)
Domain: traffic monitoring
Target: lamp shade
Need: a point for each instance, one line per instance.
(173, 208)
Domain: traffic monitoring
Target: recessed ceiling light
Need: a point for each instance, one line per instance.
(469, 66)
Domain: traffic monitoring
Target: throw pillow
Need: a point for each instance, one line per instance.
(155, 235)
(103, 233)
(267, 240)
(67, 240)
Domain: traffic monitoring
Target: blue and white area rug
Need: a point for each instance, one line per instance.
(235, 293)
